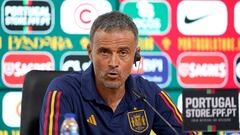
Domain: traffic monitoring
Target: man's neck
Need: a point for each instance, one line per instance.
(112, 96)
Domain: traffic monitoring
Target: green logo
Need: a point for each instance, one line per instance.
(151, 17)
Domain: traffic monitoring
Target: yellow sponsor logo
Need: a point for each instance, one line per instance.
(166, 42)
(9, 132)
(146, 43)
(55, 43)
(208, 44)
(84, 41)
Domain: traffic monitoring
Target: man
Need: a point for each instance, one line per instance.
(102, 96)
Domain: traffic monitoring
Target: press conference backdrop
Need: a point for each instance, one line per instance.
(184, 44)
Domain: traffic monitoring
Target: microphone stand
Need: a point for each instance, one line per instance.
(143, 98)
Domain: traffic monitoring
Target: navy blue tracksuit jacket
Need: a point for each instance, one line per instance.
(76, 93)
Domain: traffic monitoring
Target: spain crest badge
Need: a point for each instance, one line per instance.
(138, 120)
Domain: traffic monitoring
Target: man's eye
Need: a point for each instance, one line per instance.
(123, 53)
(104, 52)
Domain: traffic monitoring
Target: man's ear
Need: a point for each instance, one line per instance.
(89, 48)
(138, 49)
(137, 56)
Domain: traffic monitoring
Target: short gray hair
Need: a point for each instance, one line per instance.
(114, 20)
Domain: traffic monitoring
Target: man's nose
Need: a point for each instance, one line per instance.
(114, 60)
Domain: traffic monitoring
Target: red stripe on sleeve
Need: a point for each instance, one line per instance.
(46, 113)
(179, 122)
(176, 110)
(57, 113)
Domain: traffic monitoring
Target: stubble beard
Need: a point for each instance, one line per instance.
(111, 85)
(114, 85)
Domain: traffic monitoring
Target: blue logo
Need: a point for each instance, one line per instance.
(156, 68)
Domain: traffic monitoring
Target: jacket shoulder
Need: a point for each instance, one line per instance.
(66, 81)
(150, 89)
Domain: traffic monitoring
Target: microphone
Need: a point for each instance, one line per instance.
(143, 98)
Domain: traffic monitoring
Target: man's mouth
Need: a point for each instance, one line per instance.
(112, 75)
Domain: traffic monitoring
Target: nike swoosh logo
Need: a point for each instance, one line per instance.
(187, 20)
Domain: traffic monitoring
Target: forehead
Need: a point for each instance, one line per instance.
(114, 38)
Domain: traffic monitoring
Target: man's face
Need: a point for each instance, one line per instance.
(112, 54)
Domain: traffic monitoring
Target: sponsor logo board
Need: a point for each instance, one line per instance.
(237, 17)
(210, 109)
(154, 67)
(202, 17)
(27, 17)
(147, 17)
(11, 109)
(77, 16)
(74, 61)
(16, 64)
(202, 69)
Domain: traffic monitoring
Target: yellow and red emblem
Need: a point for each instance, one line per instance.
(138, 120)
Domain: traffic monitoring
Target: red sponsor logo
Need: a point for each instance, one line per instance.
(202, 70)
(16, 64)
